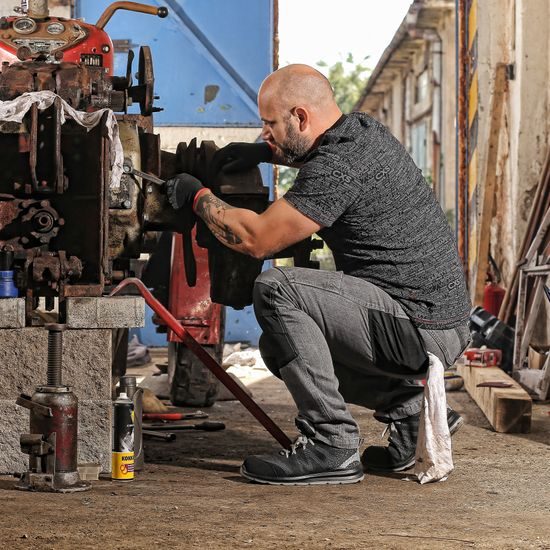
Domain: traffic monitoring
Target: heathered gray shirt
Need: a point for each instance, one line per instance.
(382, 221)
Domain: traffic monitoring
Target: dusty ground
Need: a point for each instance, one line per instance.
(190, 495)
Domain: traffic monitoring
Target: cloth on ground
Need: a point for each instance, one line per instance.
(434, 459)
(16, 109)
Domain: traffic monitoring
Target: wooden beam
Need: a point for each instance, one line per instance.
(490, 174)
(508, 410)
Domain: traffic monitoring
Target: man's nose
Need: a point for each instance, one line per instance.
(266, 133)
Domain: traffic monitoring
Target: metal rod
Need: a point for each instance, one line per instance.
(55, 351)
(166, 437)
(261, 416)
(462, 133)
(130, 6)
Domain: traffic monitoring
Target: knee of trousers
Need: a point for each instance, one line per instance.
(269, 349)
(267, 289)
(276, 345)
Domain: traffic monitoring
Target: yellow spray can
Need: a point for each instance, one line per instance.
(123, 439)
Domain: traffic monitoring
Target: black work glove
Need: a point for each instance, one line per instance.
(238, 157)
(182, 189)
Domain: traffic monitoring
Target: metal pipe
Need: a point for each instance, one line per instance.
(38, 9)
(462, 133)
(437, 116)
(55, 351)
(130, 6)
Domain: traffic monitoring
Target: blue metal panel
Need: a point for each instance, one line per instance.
(216, 44)
(202, 43)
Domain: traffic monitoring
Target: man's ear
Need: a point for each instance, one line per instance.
(303, 117)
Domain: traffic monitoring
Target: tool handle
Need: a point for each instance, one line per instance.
(173, 416)
(163, 416)
(25, 401)
(130, 6)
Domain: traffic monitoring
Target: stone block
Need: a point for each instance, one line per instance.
(108, 312)
(14, 421)
(12, 312)
(94, 435)
(86, 362)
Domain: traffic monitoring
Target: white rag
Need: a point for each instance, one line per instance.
(434, 457)
(16, 109)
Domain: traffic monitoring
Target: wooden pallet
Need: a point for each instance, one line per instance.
(508, 410)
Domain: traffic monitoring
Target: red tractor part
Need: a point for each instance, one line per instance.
(263, 418)
(191, 305)
(36, 35)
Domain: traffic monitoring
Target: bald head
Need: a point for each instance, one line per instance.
(298, 85)
(297, 106)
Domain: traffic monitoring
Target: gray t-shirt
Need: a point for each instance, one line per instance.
(382, 221)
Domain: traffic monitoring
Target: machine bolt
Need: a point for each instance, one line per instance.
(55, 350)
(127, 204)
(149, 189)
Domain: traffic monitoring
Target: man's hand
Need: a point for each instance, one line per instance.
(238, 157)
(182, 190)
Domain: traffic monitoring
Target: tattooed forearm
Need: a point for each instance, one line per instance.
(212, 210)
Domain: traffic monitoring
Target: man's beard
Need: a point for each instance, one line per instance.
(295, 147)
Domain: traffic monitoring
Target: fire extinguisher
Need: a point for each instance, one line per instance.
(493, 294)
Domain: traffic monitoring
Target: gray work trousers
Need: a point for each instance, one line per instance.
(333, 339)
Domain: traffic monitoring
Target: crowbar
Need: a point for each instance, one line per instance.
(217, 370)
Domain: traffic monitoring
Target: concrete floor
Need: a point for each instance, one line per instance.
(190, 495)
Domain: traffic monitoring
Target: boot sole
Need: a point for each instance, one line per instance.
(453, 428)
(324, 478)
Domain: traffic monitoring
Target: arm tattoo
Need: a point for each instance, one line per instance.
(212, 210)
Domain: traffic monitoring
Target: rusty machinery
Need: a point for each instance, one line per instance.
(65, 230)
(68, 229)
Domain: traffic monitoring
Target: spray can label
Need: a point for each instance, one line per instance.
(123, 440)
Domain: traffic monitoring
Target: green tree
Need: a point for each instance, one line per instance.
(348, 80)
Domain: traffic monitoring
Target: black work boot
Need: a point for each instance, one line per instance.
(308, 462)
(399, 455)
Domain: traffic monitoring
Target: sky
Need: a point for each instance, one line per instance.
(315, 30)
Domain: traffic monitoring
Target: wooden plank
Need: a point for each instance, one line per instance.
(508, 410)
(490, 175)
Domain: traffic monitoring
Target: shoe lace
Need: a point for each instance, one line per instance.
(299, 443)
(391, 427)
